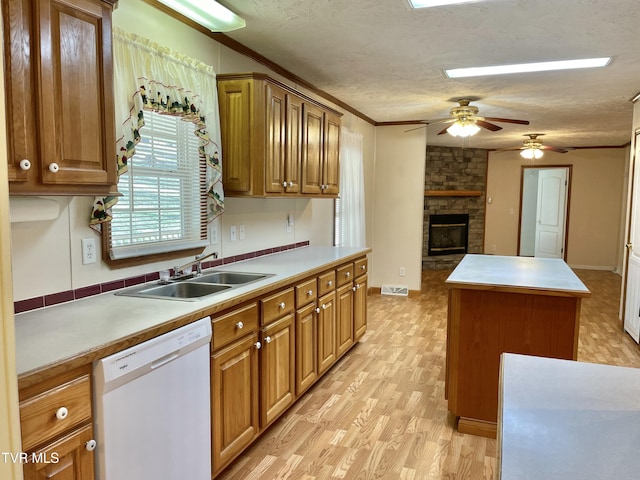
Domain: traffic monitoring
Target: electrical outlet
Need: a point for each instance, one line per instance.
(89, 254)
(241, 232)
(403, 271)
(214, 234)
(232, 233)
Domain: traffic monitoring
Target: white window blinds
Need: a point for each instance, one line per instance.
(163, 207)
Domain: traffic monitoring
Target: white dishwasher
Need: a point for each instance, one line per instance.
(153, 414)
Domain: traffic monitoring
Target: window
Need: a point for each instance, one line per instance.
(162, 207)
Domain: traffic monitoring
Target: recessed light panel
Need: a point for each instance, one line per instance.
(528, 67)
(437, 3)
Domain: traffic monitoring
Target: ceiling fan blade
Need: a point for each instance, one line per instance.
(554, 149)
(507, 120)
(442, 120)
(488, 126)
(443, 131)
(511, 149)
(417, 128)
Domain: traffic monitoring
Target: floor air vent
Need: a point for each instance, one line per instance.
(398, 290)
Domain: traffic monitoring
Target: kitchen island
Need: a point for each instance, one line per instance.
(567, 420)
(504, 304)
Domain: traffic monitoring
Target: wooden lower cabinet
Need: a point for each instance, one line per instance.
(65, 459)
(234, 395)
(306, 347)
(359, 307)
(344, 318)
(277, 369)
(326, 332)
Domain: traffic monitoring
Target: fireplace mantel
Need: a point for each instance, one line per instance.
(452, 193)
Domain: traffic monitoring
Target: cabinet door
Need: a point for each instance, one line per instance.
(306, 347)
(277, 369)
(237, 131)
(293, 161)
(344, 318)
(331, 155)
(360, 308)
(19, 93)
(313, 150)
(275, 178)
(234, 397)
(66, 459)
(75, 88)
(326, 332)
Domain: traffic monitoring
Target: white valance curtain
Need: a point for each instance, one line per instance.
(351, 226)
(148, 76)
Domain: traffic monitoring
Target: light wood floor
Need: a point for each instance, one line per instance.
(380, 413)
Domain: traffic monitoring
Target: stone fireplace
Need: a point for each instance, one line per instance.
(455, 190)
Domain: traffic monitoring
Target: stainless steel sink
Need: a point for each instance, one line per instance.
(187, 291)
(229, 278)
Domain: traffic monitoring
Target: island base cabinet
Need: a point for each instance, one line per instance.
(482, 325)
(69, 458)
(234, 396)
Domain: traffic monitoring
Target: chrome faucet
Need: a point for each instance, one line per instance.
(197, 262)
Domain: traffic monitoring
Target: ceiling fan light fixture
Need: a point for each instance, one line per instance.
(208, 13)
(531, 153)
(528, 67)
(460, 129)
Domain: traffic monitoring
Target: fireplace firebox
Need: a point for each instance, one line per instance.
(448, 234)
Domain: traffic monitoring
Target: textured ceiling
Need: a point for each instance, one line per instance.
(387, 61)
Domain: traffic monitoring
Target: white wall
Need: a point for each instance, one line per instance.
(52, 248)
(398, 207)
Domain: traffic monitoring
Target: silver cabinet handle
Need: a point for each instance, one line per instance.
(347, 274)
(324, 306)
(54, 168)
(25, 164)
(363, 267)
(309, 292)
(239, 325)
(290, 184)
(282, 305)
(354, 288)
(329, 283)
(62, 413)
(91, 445)
(267, 340)
(317, 309)
(284, 184)
(258, 345)
(357, 286)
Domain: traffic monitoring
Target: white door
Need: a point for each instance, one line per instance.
(632, 292)
(551, 211)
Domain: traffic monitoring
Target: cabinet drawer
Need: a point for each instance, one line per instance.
(277, 305)
(326, 282)
(344, 274)
(234, 325)
(55, 411)
(361, 267)
(306, 292)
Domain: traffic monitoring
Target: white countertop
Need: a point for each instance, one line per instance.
(495, 271)
(568, 420)
(54, 334)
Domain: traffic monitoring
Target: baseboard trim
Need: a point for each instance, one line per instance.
(477, 427)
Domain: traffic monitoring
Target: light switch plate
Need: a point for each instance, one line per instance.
(232, 233)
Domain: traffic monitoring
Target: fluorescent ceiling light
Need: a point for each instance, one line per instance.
(208, 13)
(436, 3)
(528, 67)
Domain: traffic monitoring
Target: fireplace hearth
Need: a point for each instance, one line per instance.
(448, 234)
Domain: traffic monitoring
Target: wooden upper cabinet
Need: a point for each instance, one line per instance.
(269, 138)
(59, 96)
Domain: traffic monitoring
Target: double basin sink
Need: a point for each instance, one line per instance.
(195, 288)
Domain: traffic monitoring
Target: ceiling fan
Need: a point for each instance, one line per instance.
(465, 121)
(532, 148)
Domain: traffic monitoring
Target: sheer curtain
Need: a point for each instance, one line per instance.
(350, 227)
(148, 76)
